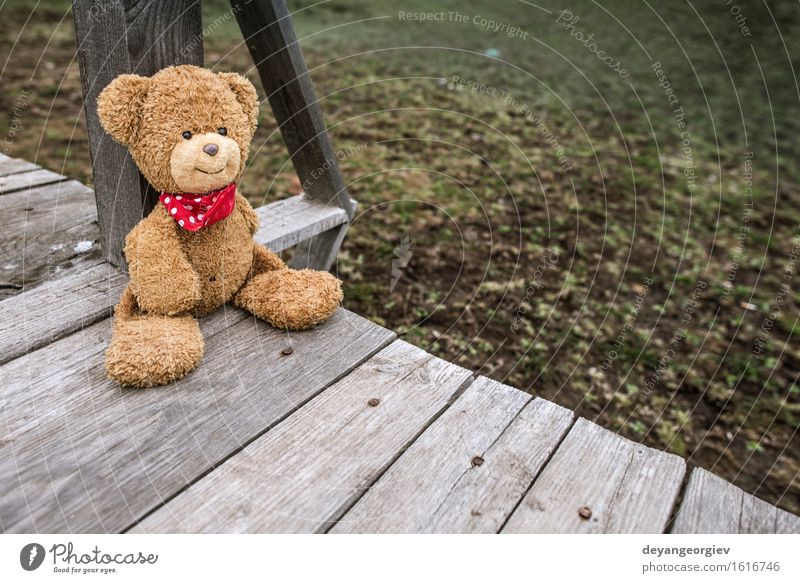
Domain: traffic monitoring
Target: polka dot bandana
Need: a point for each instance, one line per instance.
(193, 211)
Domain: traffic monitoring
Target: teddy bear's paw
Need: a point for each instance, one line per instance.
(291, 299)
(153, 351)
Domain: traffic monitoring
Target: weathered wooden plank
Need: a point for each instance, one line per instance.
(419, 482)
(80, 454)
(53, 229)
(46, 230)
(319, 251)
(58, 307)
(712, 505)
(88, 291)
(469, 470)
(28, 180)
(287, 222)
(308, 470)
(127, 36)
(15, 166)
(45, 417)
(483, 500)
(627, 487)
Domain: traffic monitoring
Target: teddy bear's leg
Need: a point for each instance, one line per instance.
(150, 350)
(288, 298)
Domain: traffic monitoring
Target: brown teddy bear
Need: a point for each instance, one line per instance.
(189, 131)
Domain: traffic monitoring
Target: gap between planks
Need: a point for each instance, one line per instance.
(26, 180)
(336, 517)
(10, 166)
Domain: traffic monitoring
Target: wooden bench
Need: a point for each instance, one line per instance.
(352, 430)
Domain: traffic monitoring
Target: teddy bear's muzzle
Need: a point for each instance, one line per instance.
(204, 163)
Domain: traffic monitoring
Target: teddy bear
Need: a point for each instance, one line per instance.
(189, 130)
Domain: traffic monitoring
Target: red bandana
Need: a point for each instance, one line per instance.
(193, 212)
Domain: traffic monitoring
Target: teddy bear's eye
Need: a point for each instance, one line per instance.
(222, 131)
(187, 135)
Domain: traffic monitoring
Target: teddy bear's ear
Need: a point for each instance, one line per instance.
(245, 94)
(120, 104)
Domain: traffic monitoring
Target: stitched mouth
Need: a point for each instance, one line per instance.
(217, 172)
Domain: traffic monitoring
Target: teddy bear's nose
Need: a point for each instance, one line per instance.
(211, 149)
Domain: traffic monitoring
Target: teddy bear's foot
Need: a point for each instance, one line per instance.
(291, 299)
(149, 351)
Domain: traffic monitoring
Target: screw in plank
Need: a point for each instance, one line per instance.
(287, 351)
(477, 460)
(374, 402)
(585, 513)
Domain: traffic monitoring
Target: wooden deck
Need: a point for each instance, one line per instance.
(354, 431)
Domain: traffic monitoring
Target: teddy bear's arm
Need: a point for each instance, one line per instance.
(265, 260)
(250, 216)
(162, 279)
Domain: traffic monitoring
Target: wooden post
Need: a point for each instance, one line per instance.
(127, 36)
(269, 35)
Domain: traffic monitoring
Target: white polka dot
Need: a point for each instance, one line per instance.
(189, 207)
(191, 219)
(179, 197)
(180, 222)
(200, 216)
(197, 200)
(166, 200)
(214, 199)
(173, 211)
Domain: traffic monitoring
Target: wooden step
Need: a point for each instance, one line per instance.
(80, 454)
(52, 236)
(14, 166)
(468, 472)
(28, 179)
(48, 232)
(286, 222)
(713, 505)
(624, 487)
(304, 474)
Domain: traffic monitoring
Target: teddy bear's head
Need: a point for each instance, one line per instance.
(188, 129)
